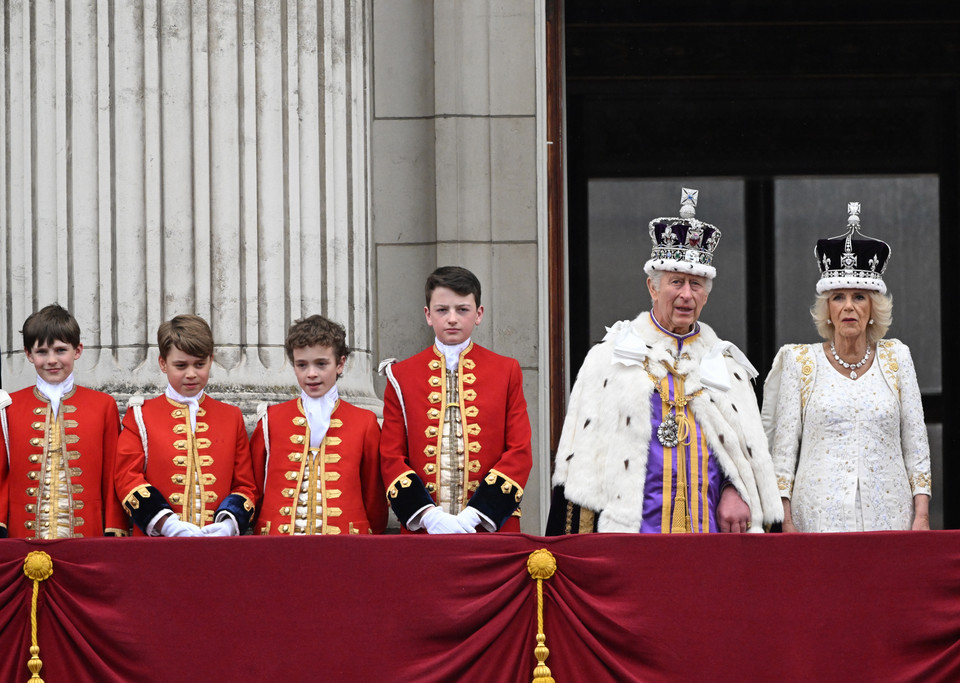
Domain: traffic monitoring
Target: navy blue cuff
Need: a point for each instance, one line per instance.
(408, 495)
(241, 509)
(497, 498)
(143, 504)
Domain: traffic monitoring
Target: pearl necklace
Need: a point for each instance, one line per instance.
(852, 367)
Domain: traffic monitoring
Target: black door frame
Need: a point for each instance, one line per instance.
(865, 89)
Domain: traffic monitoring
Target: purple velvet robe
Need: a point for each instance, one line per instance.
(704, 477)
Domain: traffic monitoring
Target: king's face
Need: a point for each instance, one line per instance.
(678, 302)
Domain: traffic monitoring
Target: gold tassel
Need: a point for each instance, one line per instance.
(37, 566)
(541, 564)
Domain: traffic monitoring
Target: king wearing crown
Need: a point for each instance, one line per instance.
(663, 433)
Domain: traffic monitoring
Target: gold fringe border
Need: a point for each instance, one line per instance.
(37, 566)
(541, 564)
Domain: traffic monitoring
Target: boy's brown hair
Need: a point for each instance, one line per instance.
(51, 323)
(189, 333)
(317, 331)
(455, 278)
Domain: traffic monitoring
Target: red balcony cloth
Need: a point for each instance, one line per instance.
(829, 607)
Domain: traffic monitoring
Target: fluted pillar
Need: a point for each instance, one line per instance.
(168, 157)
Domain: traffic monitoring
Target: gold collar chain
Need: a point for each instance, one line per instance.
(676, 427)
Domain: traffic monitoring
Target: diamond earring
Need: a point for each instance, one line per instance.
(871, 321)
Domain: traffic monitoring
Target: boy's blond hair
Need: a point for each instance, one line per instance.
(189, 333)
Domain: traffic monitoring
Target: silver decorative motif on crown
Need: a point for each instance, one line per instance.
(860, 259)
(684, 238)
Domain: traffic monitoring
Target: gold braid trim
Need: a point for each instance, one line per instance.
(889, 364)
(401, 482)
(802, 356)
(508, 485)
(920, 481)
(131, 502)
(541, 564)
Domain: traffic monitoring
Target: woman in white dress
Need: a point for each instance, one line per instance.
(843, 418)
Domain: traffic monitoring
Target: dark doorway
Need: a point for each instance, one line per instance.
(784, 108)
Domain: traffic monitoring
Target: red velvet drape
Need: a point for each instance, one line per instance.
(878, 606)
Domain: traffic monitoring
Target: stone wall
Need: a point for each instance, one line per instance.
(258, 161)
(455, 178)
(187, 157)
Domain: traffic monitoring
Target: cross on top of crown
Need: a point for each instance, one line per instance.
(853, 208)
(688, 202)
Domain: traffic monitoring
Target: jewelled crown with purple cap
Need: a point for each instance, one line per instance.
(683, 244)
(852, 260)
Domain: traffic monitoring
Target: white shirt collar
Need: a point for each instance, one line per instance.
(193, 403)
(452, 353)
(318, 412)
(54, 392)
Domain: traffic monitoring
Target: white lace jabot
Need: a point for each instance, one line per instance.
(55, 392)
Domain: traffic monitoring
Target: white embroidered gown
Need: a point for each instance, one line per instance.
(855, 455)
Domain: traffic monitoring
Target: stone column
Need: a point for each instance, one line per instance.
(168, 157)
(458, 180)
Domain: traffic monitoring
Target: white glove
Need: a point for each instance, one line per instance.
(436, 521)
(226, 527)
(174, 527)
(470, 519)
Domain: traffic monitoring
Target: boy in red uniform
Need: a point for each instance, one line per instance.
(315, 457)
(183, 459)
(59, 442)
(455, 448)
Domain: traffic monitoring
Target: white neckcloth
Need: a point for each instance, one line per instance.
(452, 353)
(318, 412)
(55, 392)
(193, 403)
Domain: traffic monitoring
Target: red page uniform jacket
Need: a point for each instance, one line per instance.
(339, 481)
(196, 474)
(85, 432)
(496, 456)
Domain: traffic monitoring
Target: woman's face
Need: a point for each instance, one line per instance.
(850, 311)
